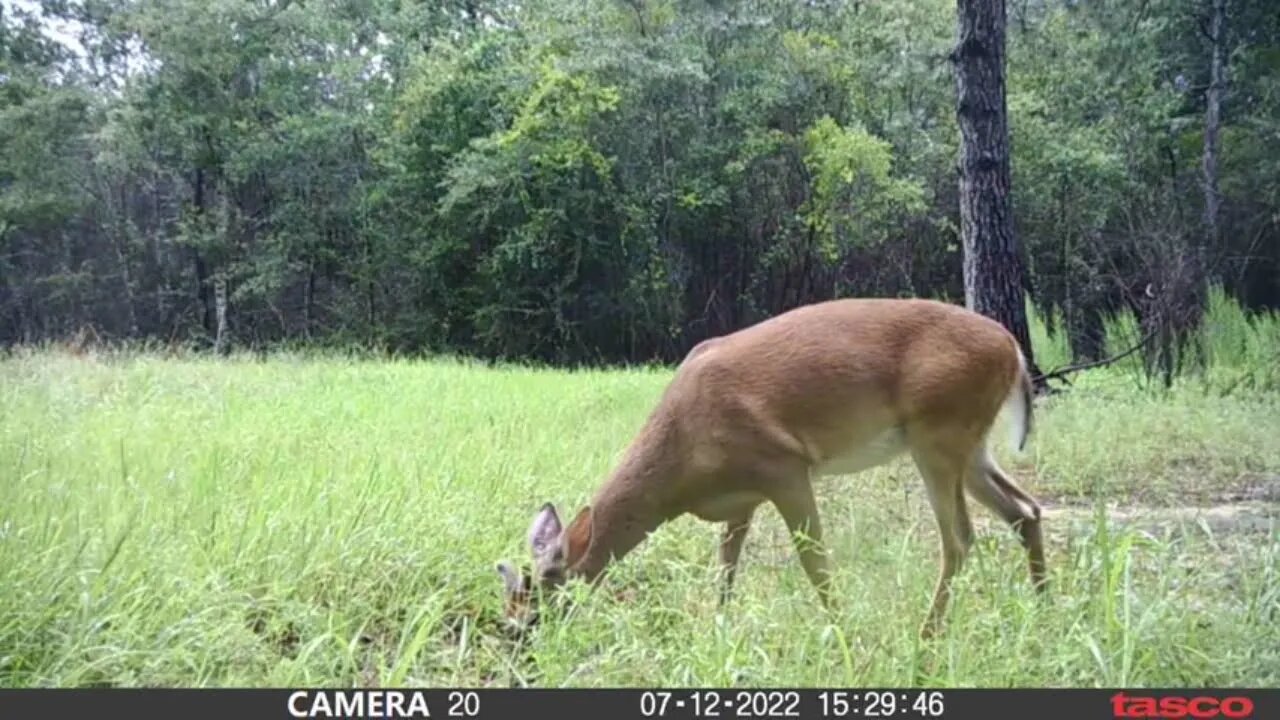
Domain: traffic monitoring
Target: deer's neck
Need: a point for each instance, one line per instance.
(633, 501)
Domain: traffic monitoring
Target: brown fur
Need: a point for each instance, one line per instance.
(752, 417)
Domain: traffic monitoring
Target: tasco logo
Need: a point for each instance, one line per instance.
(1175, 707)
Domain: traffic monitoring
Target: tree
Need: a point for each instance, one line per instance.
(993, 270)
(1213, 124)
(604, 181)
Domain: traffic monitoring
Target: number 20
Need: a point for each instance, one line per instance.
(464, 704)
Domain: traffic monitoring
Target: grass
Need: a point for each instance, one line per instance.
(300, 521)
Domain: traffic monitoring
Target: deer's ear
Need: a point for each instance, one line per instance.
(578, 536)
(545, 530)
(510, 577)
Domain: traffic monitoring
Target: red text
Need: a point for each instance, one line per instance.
(1174, 707)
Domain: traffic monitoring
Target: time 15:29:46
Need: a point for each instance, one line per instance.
(880, 703)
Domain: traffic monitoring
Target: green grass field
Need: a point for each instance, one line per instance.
(328, 521)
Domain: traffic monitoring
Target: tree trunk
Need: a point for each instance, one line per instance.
(308, 300)
(126, 286)
(221, 338)
(993, 272)
(202, 271)
(1212, 126)
(1184, 300)
(120, 245)
(220, 341)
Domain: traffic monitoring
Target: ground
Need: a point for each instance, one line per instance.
(310, 521)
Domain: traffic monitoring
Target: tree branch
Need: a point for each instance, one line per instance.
(1202, 22)
(1061, 373)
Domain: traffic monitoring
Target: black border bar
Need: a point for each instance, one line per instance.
(649, 704)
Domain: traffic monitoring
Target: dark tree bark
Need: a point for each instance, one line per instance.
(202, 270)
(993, 271)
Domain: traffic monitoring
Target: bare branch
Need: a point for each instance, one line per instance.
(1203, 24)
(1061, 373)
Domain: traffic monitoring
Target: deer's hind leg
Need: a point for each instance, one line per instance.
(992, 487)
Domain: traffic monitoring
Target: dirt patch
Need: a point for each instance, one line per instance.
(1247, 517)
(1168, 493)
(1252, 487)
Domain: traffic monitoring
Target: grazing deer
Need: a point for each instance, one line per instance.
(830, 388)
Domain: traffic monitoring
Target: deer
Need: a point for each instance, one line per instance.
(758, 415)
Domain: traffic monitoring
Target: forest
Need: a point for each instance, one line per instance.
(307, 307)
(611, 181)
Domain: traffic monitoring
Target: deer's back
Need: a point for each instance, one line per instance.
(829, 378)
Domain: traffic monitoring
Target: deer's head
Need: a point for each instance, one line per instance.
(555, 549)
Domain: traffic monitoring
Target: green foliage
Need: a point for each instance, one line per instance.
(854, 194)
(585, 181)
(1240, 346)
(327, 521)
(42, 130)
